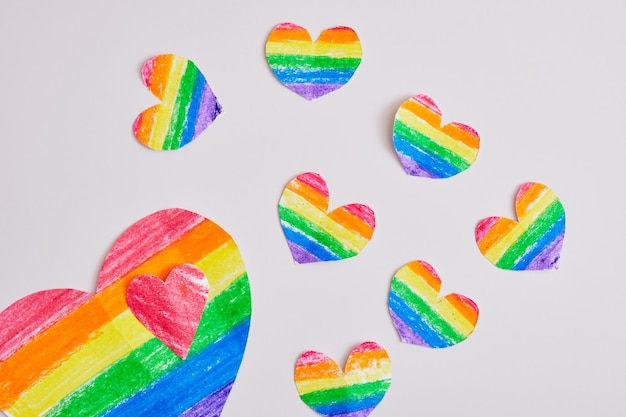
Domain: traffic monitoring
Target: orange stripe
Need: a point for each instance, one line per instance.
(464, 306)
(46, 351)
(365, 360)
(433, 281)
(347, 219)
(497, 231)
(310, 194)
(461, 135)
(338, 35)
(423, 113)
(289, 34)
(144, 131)
(160, 74)
(530, 195)
(317, 370)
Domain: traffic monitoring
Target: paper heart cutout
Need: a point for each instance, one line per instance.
(535, 242)
(353, 393)
(315, 235)
(420, 316)
(312, 69)
(188, 103)
(425, 148)
(64, 352)
(170, 309)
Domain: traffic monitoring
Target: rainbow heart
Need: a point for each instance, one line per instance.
(189, 105)
(313, 69)
(420, 316)
(330, 392)
(425, 148)
(535, 241)
(171, 310)
(315, 235)
(67, 352)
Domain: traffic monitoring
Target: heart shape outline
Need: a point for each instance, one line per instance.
(535, 241)
(425, 148)
(188, 105)
(313, 69)
(313, 234)
(421, 317)
(130, 372)
(329, 391)
(170, 309)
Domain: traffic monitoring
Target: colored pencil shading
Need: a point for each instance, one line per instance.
(420, 316)
(313, 234)
(70, 353)
(534, 241)
(353, 393)
(189, 105)
(425, 148)
(313, 69)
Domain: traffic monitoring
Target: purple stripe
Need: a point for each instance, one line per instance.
(407, 335)
(313, 91)
(209, 110)
(301, 255)
(549, 257)
(412, 168)
(211, 406)
(360, 413)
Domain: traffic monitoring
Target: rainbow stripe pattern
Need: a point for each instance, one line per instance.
(189, 105)
(533, 243)
(315, 235)
(70, 353)
(425, 148)
(313, 69)
(330, 392)
(420, 316)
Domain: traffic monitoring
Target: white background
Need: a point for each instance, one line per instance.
(541, 81)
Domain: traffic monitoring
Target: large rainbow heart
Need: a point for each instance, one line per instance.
(353, 393)
(420, 316)
(425, 148)
(315, 235)
(313, 69)
(69, 353)
(535, 242)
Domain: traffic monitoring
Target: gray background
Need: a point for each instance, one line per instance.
(541, 81)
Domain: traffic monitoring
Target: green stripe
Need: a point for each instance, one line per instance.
(181, 107)
(314, 231)
(417, 304)
(423, 142)
(347, 394)
(153, 359)
(312, 62)
(538, 228)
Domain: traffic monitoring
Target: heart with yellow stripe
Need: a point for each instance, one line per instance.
(66, 352)
(313, 234)
(329, 391)
(534, 242)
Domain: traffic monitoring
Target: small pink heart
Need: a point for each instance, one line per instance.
(170, 309)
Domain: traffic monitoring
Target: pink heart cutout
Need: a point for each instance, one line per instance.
(170, 309)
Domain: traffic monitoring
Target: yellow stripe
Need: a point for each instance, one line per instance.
(417, 284)
(410, 119)
(221, 267)
(164, 113)
(107, 345)
(381, 372)
(500, 247)
(453, 317)
(348, 238)
(336, 50)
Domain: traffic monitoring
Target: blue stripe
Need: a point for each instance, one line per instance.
(551, 234)
(416, 322)
(430, 163)
(193, 110)
(334, 409)
(318, 250)
(196, 378)
(325, 76)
